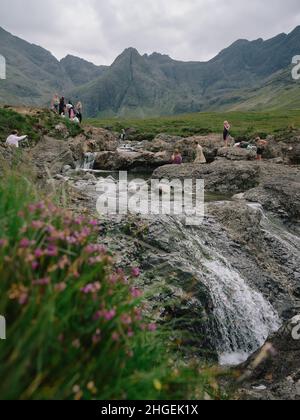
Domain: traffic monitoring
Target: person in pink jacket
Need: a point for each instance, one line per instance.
(14, 139)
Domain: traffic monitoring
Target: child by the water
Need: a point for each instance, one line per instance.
(177, 158)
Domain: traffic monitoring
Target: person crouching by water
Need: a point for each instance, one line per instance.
(261, 145)
(14, 139)
(177, 158)
(200, 158)
(226, 133)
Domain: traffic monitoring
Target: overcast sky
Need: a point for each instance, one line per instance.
(99, 30)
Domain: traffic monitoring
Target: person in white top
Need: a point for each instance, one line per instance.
(200, 158)
(14, 139)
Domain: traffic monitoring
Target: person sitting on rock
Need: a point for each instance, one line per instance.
(200, 158)
(261, 145)
(14, 139)
(226, 133)
(177, 158)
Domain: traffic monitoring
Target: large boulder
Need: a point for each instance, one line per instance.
(123, 160)
(286, 147)
(278, 191)
(294, 154)
(236, 153)
(221, 176)
(50, 156)
(100, 140)
(280, 195)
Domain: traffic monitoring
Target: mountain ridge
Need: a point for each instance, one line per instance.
(154, 84)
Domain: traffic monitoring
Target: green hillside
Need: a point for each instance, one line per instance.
(244, 124)
(248, 75)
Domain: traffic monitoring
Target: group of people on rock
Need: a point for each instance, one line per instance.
(177, 158)
(257, 144)
(67, 109)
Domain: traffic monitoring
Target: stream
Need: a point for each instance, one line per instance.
(243, 316)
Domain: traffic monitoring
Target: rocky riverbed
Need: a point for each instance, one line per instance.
(224, 286)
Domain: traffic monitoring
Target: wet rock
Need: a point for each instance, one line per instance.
(220, 176)
(50, 156)
(61, 131)
(100, 140)
(278, 192)
(275, 365)
(123, 160)
(294, 154)
(236, 153)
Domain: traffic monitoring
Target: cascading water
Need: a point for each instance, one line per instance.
(243, 318)
(89, 161)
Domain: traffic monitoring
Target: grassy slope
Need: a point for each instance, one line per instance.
(243, 123)
(35, 125)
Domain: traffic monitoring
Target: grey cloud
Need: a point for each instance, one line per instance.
(186, 30)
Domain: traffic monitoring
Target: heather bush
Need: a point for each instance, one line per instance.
(75, 322)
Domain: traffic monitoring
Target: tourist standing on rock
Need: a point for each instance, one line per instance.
(14, 139)
(177, 158)
(56, 103)
(70, 109)
(261, 145)
(200, 158)
(123, 135)
(62, 107)
(78, 111)
(226, 133)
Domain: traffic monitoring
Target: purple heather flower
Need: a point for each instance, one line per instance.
(152, 327)
(109, 315)
(41, 282)
(136, 293)
(52, 251)
(38, 253)
(3, 243)
(135, 272)
(34, 265)
(25, 243)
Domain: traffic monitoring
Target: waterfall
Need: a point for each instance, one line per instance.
(244, 317)
(89, 161)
